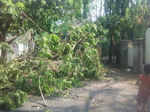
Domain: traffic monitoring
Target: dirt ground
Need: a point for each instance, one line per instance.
(116, 94)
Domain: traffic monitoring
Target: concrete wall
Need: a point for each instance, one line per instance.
(22, 45)
(132, 54)
(147, 46)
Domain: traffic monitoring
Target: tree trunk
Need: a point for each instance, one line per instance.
(118, 54)
(110, 50)
(3, 57)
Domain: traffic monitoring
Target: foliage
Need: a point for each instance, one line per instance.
(59, 65)
(12, 100)
(10, 96)
(124, 20)
(79, 53)
(50, 83)
(49, 45)
(10, 16)
(20, 77)
(128, 17)
(85, 56)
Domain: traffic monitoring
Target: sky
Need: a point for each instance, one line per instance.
(96, 9)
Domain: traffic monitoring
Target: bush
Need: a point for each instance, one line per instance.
(83, 60)
(12, 100)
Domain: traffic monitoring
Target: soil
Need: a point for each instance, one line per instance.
(115, 94)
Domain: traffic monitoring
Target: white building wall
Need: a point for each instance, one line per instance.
(147, 46)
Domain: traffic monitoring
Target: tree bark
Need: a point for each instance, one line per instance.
(110, 49)
(3, 57)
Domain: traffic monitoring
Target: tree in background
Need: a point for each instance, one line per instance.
(124, 20)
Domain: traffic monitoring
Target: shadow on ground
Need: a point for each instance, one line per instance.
(95, 97)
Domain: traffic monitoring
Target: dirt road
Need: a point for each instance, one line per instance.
(96, 96)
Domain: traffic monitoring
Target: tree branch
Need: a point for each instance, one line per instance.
(30, 19)
(11, 40)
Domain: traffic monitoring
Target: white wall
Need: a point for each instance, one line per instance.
(147, 46)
